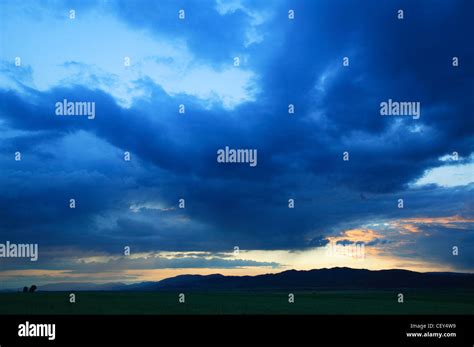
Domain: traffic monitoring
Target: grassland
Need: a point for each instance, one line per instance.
(325, 302)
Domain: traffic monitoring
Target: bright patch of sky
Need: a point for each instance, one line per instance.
(90, 50)
(449, 175)
(253, 34)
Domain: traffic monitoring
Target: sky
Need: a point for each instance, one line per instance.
(140, 62)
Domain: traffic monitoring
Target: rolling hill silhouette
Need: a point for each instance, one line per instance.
(334, 279)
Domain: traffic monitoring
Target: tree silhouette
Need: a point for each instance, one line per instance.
(25, 289)
(32, 288)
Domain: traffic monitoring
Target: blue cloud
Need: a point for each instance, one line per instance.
(299, 156)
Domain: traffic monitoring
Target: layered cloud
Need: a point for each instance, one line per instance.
(191, 62)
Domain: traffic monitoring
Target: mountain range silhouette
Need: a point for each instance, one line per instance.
(318, 279)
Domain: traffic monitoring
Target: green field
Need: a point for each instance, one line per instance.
(324, 302)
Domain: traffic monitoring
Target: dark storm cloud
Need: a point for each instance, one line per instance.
(300, 156)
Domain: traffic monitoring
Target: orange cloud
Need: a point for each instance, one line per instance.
(411, 224)
(356, 235)
(450, 222)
